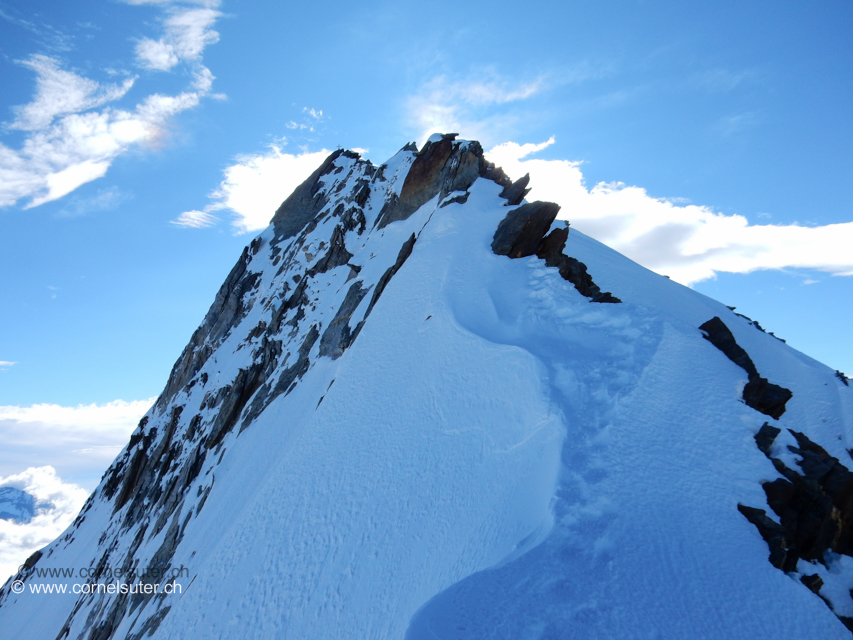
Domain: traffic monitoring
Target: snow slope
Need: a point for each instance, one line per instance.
(489, 455)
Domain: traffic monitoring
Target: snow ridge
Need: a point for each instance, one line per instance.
(385, 427)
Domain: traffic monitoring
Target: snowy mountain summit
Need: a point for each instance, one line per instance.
(420, 407)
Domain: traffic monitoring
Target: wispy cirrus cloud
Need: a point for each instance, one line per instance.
(60, 92)
(443, 105)
(75, 131)
(6, 363)
(487, 105)
(186, 33)
(104, 200)
(731, 125)
(195, 219)
(719, 80)
(689, 243)
(254, 186)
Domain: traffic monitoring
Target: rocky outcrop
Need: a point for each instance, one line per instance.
(759, 393)
(515, 192)
(442, 167)
(402, 256)
(814, 507)
(522, 233)
(551, 251)
(338, 336)
(307, 200)
(227, 310)
(298, 293)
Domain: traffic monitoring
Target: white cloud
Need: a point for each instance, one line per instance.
(57, 504)
(255, 186)
(74, 134)
(187, 33)
(195, 219)
(6, 363)
(60, 92)
(688, 243)
(156, 54)
(80, 442)
(442, 106)
(80, 147)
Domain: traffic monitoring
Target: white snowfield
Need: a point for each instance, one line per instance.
(494, 456)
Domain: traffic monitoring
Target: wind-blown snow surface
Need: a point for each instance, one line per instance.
(494, 456)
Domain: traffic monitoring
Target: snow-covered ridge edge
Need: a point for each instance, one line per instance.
(301, 290)
(297, 301)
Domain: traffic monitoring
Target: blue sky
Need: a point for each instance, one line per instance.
(145, 141)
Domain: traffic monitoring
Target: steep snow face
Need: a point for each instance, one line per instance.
(383, 429)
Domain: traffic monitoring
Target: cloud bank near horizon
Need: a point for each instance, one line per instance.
(57, 503)
(689, 243)
(78, 442)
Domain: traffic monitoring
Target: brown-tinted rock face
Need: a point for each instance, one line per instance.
(439, 169)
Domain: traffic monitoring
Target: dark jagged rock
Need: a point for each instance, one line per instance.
(521, 232)
(770, 399)
(336, 256)
(765, 438)
(286, 380)
(225, 312)
(760, 394)
(494, 173)
(515, 192)
(842, 377)
(719, 335)
(813, 582)
(338, 336)
(775, 535)
(307, 200)
(30, 562)
(815, 507)
(571, 269)
(457, 199)
(402, 256)
(463, 168)
(241, 390)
